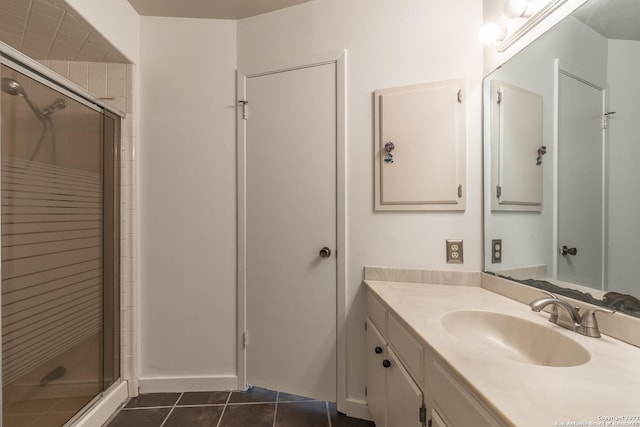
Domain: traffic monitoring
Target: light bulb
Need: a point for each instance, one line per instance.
(491, 32)
(514, 9)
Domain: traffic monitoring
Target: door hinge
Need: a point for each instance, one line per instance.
(460, 96)
(605, 119)
(245, 109)
(245, 340)
(365, 391)
(499, 97)
(423, 414)
(460, 190)
(498, 191)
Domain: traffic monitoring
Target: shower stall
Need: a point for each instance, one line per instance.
(60, 248)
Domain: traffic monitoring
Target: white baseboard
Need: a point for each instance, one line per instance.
(182, 384)
(356, 408)
(104, 408)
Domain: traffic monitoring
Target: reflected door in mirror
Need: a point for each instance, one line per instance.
(580, 180)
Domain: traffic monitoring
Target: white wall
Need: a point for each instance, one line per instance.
(528, 236)
(187, 202)
(116, 20)
(389, 43)
(624, 152)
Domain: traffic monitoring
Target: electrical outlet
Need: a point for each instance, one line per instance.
(455, 253)
(496, 251)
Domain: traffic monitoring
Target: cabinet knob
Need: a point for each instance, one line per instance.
(386, 363)
(325, 252)
(378, 350)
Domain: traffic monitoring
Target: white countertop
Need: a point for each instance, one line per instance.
(521, 394)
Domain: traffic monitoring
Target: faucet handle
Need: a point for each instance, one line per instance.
(589, 323)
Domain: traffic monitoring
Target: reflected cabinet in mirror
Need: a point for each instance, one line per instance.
(562, 159)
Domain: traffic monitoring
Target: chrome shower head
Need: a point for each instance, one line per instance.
(12, 87)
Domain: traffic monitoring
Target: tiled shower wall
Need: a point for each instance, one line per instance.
(113, 83)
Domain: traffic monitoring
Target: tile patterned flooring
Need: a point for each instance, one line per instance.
(256, 407)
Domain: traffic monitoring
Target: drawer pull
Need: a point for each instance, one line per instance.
(386, 363)
(378, 350)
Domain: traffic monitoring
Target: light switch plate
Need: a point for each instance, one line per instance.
(455, 252)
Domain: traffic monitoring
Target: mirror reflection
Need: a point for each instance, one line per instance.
(561, 146)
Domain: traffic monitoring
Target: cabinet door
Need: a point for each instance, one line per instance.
(420, 147)
(455, 402)
(404, 398)
(376, 375)
(517, 135)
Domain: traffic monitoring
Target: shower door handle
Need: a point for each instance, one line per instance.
(325, 252)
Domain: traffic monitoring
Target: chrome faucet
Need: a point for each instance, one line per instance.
(583, 324)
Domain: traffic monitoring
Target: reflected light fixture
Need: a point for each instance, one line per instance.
(491, 33)
(514, 9)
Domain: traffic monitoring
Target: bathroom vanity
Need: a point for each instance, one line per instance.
(454, 354)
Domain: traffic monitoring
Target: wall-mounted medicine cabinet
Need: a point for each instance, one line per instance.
(420, 147)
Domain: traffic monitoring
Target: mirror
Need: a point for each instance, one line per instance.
(561, 152)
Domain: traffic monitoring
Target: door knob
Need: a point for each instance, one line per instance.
(325, 252)
(566, 250)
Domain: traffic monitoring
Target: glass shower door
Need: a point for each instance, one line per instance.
(60, 253)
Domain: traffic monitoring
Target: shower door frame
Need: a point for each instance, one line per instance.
(21, 63)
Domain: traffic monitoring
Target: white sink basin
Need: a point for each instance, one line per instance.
(514, 338)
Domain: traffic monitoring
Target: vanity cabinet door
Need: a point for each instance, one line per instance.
(404, 398)
(452, 401)
(376, 375)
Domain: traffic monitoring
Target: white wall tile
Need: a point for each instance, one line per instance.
(118, 102)
(97, 70)
(98, 87)
(60, 67)
(79, 74)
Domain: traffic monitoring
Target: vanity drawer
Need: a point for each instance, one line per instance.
(454, 403)
(377, 313)
(407, 347)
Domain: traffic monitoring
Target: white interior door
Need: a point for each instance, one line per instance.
(290, 217)
(580, 181)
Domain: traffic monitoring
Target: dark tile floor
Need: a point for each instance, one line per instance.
(256, 407)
